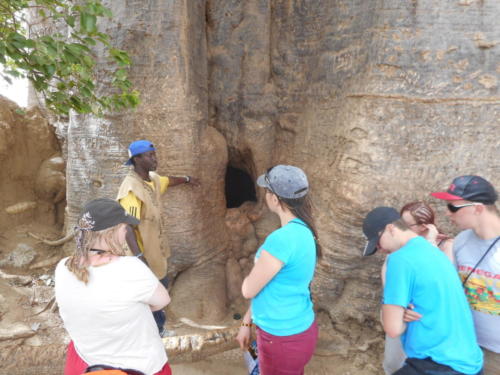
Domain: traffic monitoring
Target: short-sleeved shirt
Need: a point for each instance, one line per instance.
(483, 285)
(420, 274)
(284, 307)
(109, 318)
(133, 205)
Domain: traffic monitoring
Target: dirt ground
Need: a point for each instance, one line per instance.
(231, 363)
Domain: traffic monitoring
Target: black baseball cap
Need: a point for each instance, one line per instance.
(375, 221)
(469, 188)
(104, 213)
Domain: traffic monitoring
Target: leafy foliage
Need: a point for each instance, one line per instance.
(61, 64)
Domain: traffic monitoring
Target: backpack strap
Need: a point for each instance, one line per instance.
(480, 260)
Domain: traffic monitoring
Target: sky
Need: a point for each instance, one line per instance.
(18, 91)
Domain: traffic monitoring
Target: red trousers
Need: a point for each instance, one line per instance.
(76, 366)
(286, 355)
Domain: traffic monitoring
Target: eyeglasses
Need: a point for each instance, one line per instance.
(454, 209)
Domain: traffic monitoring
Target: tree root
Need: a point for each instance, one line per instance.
(58, 242)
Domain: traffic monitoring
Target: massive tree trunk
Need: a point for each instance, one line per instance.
(168, 46)
(380, 102)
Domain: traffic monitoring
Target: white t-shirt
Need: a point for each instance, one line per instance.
(109, 319)
(483, 286)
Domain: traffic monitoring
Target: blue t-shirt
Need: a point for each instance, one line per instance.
(422, 275)
(284, 307)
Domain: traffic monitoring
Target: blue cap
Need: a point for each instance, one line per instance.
(137, 148)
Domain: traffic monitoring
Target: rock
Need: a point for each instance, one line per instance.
(33, 139)
(20, 257)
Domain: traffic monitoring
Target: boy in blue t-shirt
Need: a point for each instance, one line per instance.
(443, 340)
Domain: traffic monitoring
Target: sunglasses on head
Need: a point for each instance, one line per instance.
(268, 181)
(454, 209)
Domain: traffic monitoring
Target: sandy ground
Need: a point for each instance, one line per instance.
(231, 363)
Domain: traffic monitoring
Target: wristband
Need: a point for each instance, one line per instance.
(188, 179)
(139, 255)
(246, 324)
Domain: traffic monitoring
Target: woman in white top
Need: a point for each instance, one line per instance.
(105, 298)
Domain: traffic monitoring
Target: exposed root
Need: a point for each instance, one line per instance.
(15, 331)
(190, 323)
(46, 262)
(20, 207)
(58, 242)
(16, 279)
(52, 302)
(195, 347)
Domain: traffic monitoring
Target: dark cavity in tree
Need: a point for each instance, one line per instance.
(239, 187)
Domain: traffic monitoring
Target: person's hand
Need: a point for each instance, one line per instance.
(410, 315)
(194, 181)
(431, 233)
(243, 337)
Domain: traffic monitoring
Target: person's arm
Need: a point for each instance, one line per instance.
(266, 267)
(133, 205)
(174, 181)
(409, 315)
(159, 299)
(392, 320)
(133, 244)
(447, 248)
(397, 307)
(244, 333)
(431, 234)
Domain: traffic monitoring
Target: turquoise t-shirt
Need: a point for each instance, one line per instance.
(422, 275)
(284, 307)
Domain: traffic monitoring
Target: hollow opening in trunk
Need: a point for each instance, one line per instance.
(239, 187)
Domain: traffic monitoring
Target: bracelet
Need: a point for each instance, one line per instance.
(246, 324)
(139, 255)
(188, 179)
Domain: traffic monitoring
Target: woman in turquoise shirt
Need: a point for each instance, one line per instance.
(278, 285)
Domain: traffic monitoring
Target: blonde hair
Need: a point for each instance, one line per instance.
(79, 262)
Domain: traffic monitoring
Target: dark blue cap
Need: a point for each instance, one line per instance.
(374, 223)
(469, 188)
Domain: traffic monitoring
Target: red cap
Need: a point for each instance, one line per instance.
(446, 196)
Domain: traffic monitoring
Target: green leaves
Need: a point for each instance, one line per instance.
(64, 69)
(88, 23)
